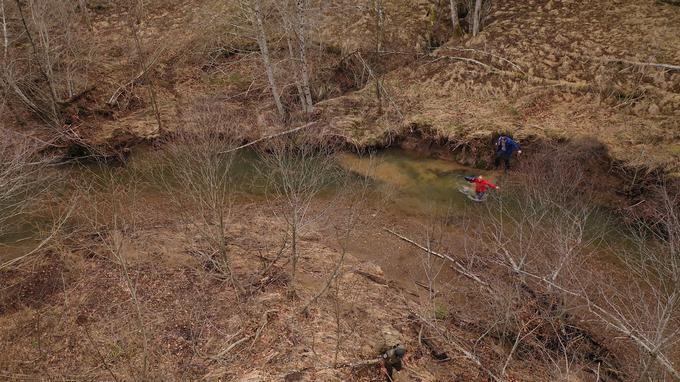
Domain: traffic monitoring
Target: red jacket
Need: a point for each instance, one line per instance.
(481, 185)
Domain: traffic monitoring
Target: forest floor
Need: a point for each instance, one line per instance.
(71, 314)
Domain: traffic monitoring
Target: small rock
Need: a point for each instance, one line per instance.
(389, 337)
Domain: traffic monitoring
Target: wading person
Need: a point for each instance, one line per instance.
(505, 146)
(392, 360)
(481, 186)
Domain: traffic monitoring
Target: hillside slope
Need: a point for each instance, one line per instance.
(543, 69)
(539, 69)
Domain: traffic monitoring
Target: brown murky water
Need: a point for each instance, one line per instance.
(418, 184)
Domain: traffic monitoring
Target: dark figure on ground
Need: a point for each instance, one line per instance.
(481, 186)
(392, 360)
(505, 146)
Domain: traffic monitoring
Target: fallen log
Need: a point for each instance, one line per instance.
(77, 97)
(375, 278)
(426, 287)
(669, 67)
(458, 267)
(359, 364)
(434, 350)
(269, 137)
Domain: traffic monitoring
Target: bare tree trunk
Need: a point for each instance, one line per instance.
(379, 24)
(288, 26)
(4, 33)
(454, 15)
(135, 22)
(86, 13)
(264, 50)
(55, 116)
(477, 17)
(294, 234)
(302, 41)
(379, 27)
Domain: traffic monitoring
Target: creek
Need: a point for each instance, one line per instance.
(412, 185)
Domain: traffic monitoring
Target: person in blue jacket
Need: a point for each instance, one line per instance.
(505, 146)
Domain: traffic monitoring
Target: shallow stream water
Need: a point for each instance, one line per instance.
(416, 183)
(414, 186)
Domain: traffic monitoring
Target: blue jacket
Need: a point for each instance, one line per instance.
(510, 146)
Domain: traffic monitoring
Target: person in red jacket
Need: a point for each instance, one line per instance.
(481, 186)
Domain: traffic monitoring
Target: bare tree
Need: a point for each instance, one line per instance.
(645, 305)
(297, 169)
(42, 52)
(197, 175)
(455, 22)
(477, 18)
(46, 64)
(379, 17)
(379, 20)
(135, 18)
(5, 34)
(109, 198)
(431, 265)
(82, 4)
(26, 187)
(352, 200)
(255, 9)
(301, 33)
(22, 177)
(545, 239)
(287, 21)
